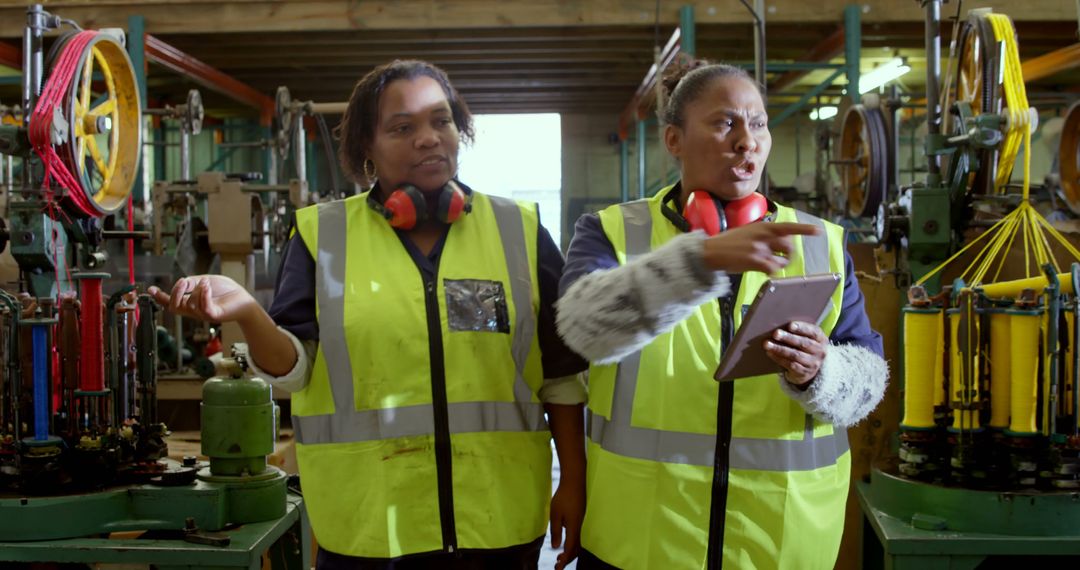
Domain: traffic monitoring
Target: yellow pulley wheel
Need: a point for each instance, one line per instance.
(1069, 159)
(864, 160)
(104, 115)
(978, 68)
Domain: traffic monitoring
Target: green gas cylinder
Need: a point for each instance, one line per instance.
(238, 424)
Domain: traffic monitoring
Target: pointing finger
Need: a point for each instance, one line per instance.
(790, 229)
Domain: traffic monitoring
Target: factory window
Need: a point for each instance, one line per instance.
(520, 157)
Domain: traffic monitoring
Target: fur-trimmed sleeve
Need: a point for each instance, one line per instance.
(849, 386)
(611, 313)
(297, 378)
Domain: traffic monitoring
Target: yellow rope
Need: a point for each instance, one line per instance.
(1029, 243)
(988, 233)
(1060, 238)
(1044, 244)
(1016, 103)
(1008, 247)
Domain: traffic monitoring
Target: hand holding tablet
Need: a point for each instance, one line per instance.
(779, 302)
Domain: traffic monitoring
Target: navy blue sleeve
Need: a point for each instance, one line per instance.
(854, 324)
(293, 308)
(589, 251)
(557, 359)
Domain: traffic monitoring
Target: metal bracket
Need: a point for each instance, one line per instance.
(193, 535)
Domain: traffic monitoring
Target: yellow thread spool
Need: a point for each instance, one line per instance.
(1000, 371)
(1012, 289)
(1070, 354)
(963, 386)
(1024, 333)
(1044, 332)
(923, 354)
(939, 369)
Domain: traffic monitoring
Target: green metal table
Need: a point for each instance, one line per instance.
(895, 543)
(287, 541)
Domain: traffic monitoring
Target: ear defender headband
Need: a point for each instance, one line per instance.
(406, 206)
(706, 212)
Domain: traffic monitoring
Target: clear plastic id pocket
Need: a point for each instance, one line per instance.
(476, 305)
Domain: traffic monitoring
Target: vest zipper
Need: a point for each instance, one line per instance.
(721, 461)
(443, 463)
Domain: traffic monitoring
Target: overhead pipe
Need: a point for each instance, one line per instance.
(136, 48)
(11, 55)
(33, 57)
(852, 48)
(1048, 64)
(933, 76)
(337, 108)
(758, 12)
(208, 76)
(828, 48)
(759, 42)
(632, 112)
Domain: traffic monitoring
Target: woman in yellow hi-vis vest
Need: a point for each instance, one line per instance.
(685, 472)
(414, 326)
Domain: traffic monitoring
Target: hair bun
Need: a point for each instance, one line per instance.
(683, 64)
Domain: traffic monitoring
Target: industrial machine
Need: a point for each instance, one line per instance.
(291, 135)
(867, 154)
(82, 449)
(191, 211)
(1069, 158)
(234, 243)
(988, 460)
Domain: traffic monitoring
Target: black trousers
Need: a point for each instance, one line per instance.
(588, 561)
(521, 557)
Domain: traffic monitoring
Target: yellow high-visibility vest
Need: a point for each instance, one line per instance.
(403, 362)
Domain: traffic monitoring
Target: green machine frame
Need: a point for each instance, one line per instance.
(286, 541)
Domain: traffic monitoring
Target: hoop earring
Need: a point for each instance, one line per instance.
(372, 174)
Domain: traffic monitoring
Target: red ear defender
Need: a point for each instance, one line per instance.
(453, 202)
(746, 210)
(405, 207)
(702, 212)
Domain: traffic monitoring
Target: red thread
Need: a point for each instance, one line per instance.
(52, 96)
(131, 242)
(92, 363)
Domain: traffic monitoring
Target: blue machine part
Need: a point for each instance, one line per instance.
(41, 382)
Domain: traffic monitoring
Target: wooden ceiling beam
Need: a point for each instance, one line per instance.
(509, 84)
(360, 60)
(232, 16)
(826, 49)
(714, 34)
(236, 58)
(395, 38)
(284, 76)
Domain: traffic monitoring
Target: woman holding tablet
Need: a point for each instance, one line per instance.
(685, 472)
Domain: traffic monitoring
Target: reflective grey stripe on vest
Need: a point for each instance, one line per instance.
(618, 436)
(637, 223)
(347, 424)
(512, 232)
(815, 248)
